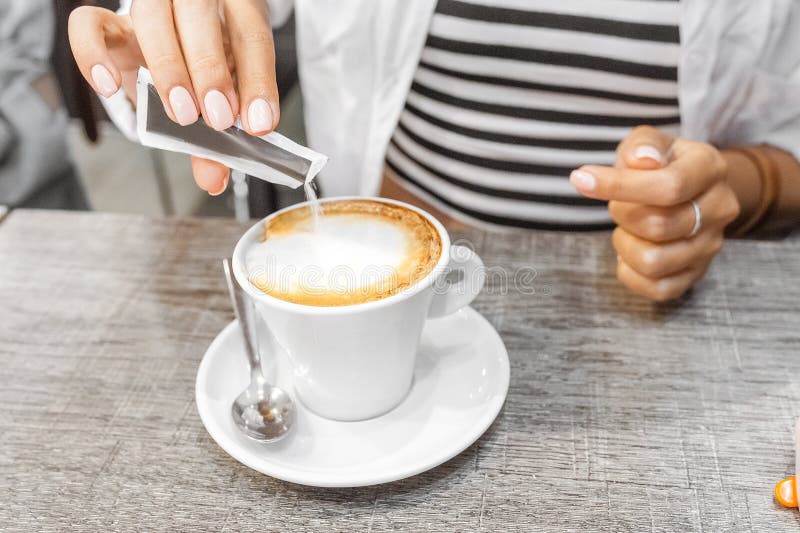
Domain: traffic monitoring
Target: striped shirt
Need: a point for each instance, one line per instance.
(511, 95)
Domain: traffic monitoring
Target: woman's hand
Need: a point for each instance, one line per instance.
(650, 192)
(200, 65)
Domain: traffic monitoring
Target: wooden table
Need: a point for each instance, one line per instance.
(622, 415)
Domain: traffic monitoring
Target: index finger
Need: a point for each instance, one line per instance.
(200, 29)
(254, 53)
(155, 30)
(694, 169)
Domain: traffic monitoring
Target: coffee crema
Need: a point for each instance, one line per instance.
(359, 251)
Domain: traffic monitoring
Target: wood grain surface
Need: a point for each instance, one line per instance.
(622, 415)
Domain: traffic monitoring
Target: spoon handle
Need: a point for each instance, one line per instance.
(245, 314)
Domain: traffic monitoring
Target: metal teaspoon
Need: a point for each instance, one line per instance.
(262, 411)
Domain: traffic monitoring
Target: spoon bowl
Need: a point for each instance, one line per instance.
(263, 413)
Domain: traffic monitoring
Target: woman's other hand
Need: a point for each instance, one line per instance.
(200, 65)
(650, 192)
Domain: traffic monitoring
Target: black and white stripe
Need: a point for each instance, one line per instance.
(511, 95)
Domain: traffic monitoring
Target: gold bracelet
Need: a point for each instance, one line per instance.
(770, 189)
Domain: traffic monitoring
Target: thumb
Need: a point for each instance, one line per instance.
(645, 148)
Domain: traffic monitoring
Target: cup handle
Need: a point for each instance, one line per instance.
(450, 297)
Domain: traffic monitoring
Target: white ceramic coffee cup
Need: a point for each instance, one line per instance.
(357, 361)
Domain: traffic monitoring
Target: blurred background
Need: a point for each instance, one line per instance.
(59, 150)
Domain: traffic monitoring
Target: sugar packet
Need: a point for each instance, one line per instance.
(271, 157)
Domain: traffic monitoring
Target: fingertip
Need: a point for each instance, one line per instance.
(220, 110)
(276, 113)
(642, 164)
(646, 151)
(210, 176)
(645, 148)
(103, 80)
(645, 157)
(221, 189)
(183, 107)
(260, 117)
(583, 180)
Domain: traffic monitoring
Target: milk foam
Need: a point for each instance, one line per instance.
(344, 254)
(357, 251)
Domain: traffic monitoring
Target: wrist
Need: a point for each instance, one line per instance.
(742, 176)
(768, 178)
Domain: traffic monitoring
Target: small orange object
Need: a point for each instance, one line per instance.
(786, 492)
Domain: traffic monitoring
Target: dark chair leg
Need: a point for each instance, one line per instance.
(262, 197)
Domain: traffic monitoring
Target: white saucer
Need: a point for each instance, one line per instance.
(460, 383)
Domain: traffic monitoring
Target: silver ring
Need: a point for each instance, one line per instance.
(698, 219)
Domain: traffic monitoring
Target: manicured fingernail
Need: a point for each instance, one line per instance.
(273, 107)
(649, 152)
(582, 180)
(103, 81)
(182, 106)
(220, 115)
(222, 188)
(259, 115)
